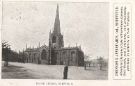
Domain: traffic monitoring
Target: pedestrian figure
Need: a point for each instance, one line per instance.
(65, 73)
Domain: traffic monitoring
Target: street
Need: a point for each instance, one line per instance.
(41, 71)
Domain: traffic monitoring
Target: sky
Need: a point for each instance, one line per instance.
(82, 24)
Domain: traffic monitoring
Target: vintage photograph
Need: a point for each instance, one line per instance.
(55, 40)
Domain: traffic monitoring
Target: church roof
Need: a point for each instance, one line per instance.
(37, 49)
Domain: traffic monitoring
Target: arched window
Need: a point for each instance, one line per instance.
(64, 58)
(54, 39)
(64, 55)
(72, 55)
(34, 57)
(44, 54)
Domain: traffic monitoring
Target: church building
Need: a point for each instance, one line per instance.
(55, 53)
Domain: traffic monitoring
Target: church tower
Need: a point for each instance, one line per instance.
(55, 37)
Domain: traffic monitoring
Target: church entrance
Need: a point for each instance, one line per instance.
(54, 58)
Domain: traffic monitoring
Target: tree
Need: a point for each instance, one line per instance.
(100, 62)
(5, 52)
(13, 56)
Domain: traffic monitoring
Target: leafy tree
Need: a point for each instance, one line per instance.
(5, 52)
(13, 56)
(100, 62)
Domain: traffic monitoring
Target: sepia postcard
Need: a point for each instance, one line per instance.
(67, 43)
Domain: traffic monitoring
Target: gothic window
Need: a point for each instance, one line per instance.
(56, 54)
(29, 57)
(64, 57)
(54, 39)
(34, 57)
(44, 54)
(72, 55)
(64, 54)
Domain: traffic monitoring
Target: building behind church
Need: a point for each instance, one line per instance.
(55, 53)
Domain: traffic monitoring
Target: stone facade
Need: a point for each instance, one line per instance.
(55, 53)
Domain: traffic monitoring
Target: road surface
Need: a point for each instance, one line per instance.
(41, 71)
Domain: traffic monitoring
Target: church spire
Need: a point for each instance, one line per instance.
(57, 22)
